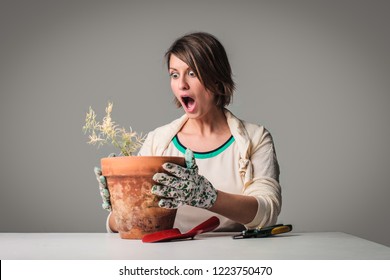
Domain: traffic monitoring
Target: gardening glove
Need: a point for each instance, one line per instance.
(184, 186)
(104, 193)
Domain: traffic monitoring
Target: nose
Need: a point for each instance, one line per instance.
(183, 85)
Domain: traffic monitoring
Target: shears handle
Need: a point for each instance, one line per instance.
(264, 232)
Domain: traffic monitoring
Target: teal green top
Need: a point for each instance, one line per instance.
(203, 155)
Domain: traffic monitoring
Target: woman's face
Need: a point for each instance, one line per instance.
(193, 96)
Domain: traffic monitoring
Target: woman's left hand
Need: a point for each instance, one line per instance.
(184, 186)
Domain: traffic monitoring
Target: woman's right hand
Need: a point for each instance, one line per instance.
(105, 194)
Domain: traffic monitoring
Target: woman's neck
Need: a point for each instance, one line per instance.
(212, 123)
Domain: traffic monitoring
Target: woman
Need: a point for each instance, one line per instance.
(232, 171)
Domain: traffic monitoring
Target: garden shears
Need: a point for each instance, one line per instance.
(264, 232)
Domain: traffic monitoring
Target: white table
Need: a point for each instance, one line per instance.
(221, 246)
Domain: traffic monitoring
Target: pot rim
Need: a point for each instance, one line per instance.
(137, 165)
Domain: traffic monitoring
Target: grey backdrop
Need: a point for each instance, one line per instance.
(315, 73)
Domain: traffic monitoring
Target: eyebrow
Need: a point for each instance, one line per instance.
(172, 68)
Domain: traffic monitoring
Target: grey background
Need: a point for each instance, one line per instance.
(315, 73)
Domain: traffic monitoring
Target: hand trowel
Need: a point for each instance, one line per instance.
(172, 234)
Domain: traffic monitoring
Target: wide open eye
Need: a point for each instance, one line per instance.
(191, 73)
(174, 75)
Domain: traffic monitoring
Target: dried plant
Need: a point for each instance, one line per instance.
(108, 132)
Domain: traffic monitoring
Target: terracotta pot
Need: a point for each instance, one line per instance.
(135, 208)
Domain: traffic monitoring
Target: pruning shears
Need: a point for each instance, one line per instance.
(264, 232)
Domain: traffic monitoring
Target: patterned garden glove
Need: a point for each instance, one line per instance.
(184, 186)
(104, 193)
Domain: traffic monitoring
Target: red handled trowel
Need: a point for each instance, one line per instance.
(172, 234)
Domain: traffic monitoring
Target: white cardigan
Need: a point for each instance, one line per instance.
(258, 164)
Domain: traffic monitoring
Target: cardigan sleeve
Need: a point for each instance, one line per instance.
(264, 184)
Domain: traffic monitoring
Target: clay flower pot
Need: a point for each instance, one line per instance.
(135, 208)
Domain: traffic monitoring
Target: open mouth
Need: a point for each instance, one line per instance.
(188, 102)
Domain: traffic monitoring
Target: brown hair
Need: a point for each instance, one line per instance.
(206, 56)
